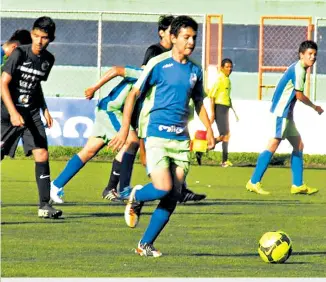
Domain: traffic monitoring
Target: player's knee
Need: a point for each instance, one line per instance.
(41, 155)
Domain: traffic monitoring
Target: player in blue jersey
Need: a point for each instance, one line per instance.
(169, 81)
(289, 89)
(19, 37)
(108, 117)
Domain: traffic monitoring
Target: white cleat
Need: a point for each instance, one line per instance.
(56, 194)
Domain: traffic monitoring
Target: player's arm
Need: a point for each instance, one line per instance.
(45, 110)
(304, 99)
(15, 117)
(110, 74)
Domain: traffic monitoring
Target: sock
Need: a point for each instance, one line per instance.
(126, 169)
(297, 168)
(158, 220)
(225, 153)
(261, 166)
(42, 175)
(72, 167)
(149, 193)
(114, 176)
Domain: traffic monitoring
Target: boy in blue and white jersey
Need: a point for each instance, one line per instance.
(289, 89)
(168, 81)
(108, 118)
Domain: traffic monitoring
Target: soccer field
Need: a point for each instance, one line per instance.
(214, 238)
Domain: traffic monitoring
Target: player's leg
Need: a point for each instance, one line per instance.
(158, 167)
(161, 215)
(298, 186)
(278, 131)
(35, 142)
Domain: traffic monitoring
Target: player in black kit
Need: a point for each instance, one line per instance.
(21, 100)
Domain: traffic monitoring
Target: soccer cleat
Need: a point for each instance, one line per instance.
(187, 195)
(303, 189)
(133, 208)
(47, 211)
(56, 194)
(147, 250)
(199, 156)
(110, 194)
(257, 188)
(226, 164)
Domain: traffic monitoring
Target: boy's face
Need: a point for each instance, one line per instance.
(40, 40)
(227, 69)
(185, 42)
(308, 57)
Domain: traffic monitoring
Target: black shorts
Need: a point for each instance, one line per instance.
(222, 119)
(32, 134)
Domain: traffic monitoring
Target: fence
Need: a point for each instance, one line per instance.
(88, 43)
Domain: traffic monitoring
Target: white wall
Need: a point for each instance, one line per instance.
(254, 129)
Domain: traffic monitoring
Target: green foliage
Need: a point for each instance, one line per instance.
(210, 158)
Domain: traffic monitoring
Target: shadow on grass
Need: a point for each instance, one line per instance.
(44, 221)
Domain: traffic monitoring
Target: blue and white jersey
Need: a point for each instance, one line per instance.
(119, 91)
(168, 86)
(284, 98)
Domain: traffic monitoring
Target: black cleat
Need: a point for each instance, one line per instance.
(187, 195)
(110, 194)
(47, 211)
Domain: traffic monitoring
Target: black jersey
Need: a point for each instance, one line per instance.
(27, 71)
(153, 51)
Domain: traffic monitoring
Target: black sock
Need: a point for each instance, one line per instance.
(225, 151)
(42, 175)
(126, 170)
(115, 175)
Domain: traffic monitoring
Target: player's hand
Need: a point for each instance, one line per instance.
(17, 120)
(210, 139)
(48, 118)
(319, 110)
(119, 140)
(89, 93)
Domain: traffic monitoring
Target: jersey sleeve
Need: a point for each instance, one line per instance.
(51, 63)
(147, 78)
(300, 77)
(132, 73)
(213, 91)
(198, 90)
(13, 62)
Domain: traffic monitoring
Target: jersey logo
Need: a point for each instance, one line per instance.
(167, 66)
(26, 63)
(172, 128)
(45, 65)
(193, 79)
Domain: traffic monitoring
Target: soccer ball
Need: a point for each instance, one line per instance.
(275, 247)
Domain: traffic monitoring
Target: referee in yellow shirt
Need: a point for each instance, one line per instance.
(220, 105)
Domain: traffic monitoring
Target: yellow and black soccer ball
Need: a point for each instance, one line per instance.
(275, 247)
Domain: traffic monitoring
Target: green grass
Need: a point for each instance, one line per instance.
(214, 238)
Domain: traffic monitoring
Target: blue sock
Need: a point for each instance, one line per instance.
(126, 170)
(159, 219)
(297, 168)
(261, 166)
(149, 193)
(72, 167)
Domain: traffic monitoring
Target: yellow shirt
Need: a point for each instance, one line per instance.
(221, 90)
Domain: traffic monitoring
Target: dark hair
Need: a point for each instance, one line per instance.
(21, 36)
(308, 44)
(225, 61)
(164, 22)
(47, 25)
(182, 22)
